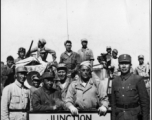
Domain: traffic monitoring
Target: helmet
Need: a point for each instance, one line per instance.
(21, 49)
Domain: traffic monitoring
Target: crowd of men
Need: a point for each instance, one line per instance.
(76, 84)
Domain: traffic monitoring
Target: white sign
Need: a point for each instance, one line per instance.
(66, 116)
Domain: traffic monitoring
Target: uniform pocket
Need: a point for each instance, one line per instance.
(117, 92)
(131, 90)
(15, 99)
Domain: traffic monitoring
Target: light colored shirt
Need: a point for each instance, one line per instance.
(142, 70)
(15, 96)
(85, 54)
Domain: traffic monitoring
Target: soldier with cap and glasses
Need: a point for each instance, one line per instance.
(15, 100)
(129, 95)
(86, 93)
(142, 70)
(47, 98)
(21, 54)
(85, 53)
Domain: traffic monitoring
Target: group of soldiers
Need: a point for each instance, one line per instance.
(76, 84)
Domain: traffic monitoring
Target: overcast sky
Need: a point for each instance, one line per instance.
(121, 24)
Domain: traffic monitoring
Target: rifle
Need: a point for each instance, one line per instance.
(28, 52)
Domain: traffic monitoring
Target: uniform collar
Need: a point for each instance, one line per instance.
(67, 52)
(48, 91)
(125, 77)
(84, 49)
(89, 82)
(18, 84)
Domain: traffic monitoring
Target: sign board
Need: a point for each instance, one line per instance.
(68, 116)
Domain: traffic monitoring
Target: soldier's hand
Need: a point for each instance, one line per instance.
(54, 107)
(74, 110)
(102, 110)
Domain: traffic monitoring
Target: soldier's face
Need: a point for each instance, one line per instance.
(124, 67)
(40, 45)
(114, 54)
(84, 44)
(10, 63)
(109, 50)
(48, 83)
(85, 72)
(21, 77)
(68, 46)
(36, 83)
(21, 54)
(141, 61)
(62, 74)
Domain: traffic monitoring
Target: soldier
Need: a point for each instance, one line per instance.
(40, 47)
(47, 98)
(63, 81)
(16, 98)
(21, 54)
(10, 69)
(33, 79)
(143, 70)
(85, 53)
(70, 58)
(129, 93)
(86, 93)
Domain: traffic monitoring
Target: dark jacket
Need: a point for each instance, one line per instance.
(42, 100)
(126, 90)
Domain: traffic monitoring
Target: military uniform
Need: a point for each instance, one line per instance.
(129, 96)
(71, 61)
(18, 59)
(15, 102)
(79, 96)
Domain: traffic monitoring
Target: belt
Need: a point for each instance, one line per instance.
(132, 105)
(18, 110)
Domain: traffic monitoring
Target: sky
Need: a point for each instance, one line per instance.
(122, 24)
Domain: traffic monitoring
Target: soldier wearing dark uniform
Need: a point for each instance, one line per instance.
(21, 54)
(129, 95)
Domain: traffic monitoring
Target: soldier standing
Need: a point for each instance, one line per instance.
(16, 98)
(129, 93)
(85, 53)
(70, 58)
(142, 70)
(21, 54)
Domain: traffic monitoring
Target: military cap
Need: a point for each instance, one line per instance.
(21, 49)
(140, 56)
(67, 41)
(43, 41)
(21, 69)
(115, 51)
(33, 75)
(47, 75)
(108, 47)
(84, 40)
(62, 66)
(124, 58)
(86, 63)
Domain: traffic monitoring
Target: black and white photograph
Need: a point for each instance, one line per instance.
(75, 60)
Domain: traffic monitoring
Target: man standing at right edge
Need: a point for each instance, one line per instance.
(129, 94)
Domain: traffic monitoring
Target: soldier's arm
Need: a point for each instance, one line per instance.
(69, 100)
(51, 52)
(144, 99)
(103, 98)
(91, 57)
(36, 103)
(5, 102)
(113, 103)
(61, 59)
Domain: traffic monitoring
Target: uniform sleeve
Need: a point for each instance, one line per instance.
(51, 52)
(144, 99)
(5, 101)
(135, 71)
(103, 98)
(69, 100)
(61, 59)
(77, 60)
(113, 103)
(36, 103)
